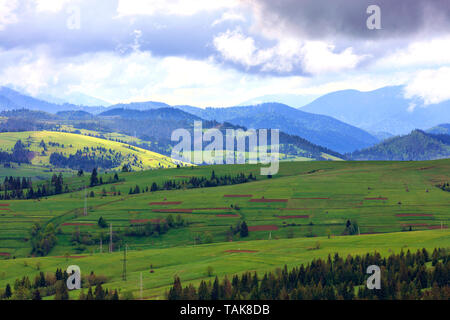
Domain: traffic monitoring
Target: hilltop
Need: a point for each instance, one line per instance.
(418, 145)
(101, 153)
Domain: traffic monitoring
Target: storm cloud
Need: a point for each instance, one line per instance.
(319, 19)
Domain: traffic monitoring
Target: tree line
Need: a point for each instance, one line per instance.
(22, 188)
(19, 154)
(54, 284)
(405, 276)
(196, 182)
(80, 239)
(84, 161)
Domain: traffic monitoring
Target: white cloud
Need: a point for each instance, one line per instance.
(315, 57)
(236, 47)
(430, 85)
(320, 57)
(138, 76)
(51, 5)
(172, 7)
(7, 12)
(229, 16)
(434, 52)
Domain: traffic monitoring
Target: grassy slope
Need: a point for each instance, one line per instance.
(346, 184)
(190, 262)
(149, 159)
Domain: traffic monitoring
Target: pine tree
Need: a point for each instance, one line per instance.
(8, 292)
(61, 290)
(94, 177)
(99, 292)
(244, 230)
(36, 295)
(90, 296)
(215, 290)
(175, 292)
(203, 292)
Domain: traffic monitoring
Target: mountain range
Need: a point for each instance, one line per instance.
(318, 129)
(153, 127)
(382, 111)
(322, 130)
(344, 121)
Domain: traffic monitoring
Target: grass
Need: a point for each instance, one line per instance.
(145, 159)
(383, 197)
(346, 185)
(191, 262)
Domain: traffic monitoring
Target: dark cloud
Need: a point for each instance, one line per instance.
(318, 19)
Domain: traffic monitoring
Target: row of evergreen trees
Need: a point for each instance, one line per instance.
(19, 154)
(19, 189)
(16, 183)
(86, 161)
(22, 188)
(156, 228)
(403, 276)
(196, 182)
(54, 284)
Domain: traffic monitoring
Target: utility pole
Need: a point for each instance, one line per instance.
(110, 239)
(85, 202)
(141, 287)
(124, 270)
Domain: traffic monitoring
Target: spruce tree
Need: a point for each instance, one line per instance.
(94, 177)
(244, 230)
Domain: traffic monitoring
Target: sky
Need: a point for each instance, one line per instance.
(223, 52)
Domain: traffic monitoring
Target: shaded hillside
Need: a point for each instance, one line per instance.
(417, 145)
(166, 113)
(320, 130)
(153, 128)
(440, 129)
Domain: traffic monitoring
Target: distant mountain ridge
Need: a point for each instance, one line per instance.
(321, 130)
(418, 145)
(165, 113)
(440, 129)
(154, 127)
(13, 100)
(382, 110)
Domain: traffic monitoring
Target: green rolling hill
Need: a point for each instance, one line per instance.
(418, 145)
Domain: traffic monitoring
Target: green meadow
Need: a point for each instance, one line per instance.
(70, 143)
(190, 262)
(306, 205)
